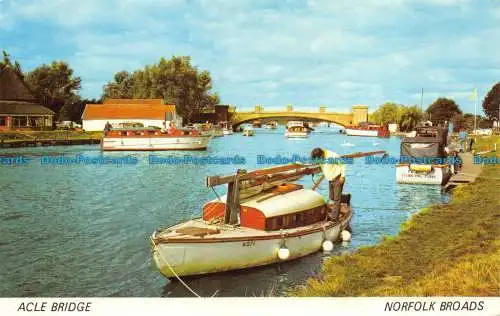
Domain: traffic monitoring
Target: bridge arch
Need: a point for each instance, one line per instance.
(338, 118)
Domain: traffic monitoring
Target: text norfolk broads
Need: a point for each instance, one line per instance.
(264, 218)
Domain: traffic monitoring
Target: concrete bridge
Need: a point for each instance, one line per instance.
(359, 113)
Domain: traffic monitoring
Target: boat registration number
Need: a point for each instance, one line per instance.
(248, 243)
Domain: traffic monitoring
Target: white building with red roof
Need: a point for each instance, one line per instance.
(149, 112)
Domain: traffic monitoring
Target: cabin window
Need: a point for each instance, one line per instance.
(3, 121)
(123, 133)
(279, 222)
(286, 221)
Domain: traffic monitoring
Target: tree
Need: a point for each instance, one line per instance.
(72, 111)
(174, 80)
(491, 103)
(54, 85)
(443, 109)
(388, 112)
(410, 116)
(6, 61)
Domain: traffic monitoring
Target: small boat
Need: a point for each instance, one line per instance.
(375, 143)
(275, 224)
(257, 123)
(208, 129)
(367, 129)
(347, 144)
(226, 128)
(423, 157)
(153, 138)
(248, 131)
(296, 129)
(271, 125)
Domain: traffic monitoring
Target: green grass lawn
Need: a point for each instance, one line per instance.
(444, 250)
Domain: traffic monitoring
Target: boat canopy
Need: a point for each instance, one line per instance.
(292, 202)
(429, 142)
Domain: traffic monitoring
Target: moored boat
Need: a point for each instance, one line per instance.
(152, 138)
(226, 128)
(424, 159)
(367, 130)
(296, 129)
(271, 125)
(280, 223)
(248, 131)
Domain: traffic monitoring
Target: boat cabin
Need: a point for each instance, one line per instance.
(286, 206)
(149, 132)
(297, 129)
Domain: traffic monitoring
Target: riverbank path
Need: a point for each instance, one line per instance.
(467, 174)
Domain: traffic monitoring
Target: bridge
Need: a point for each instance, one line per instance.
(359, 113)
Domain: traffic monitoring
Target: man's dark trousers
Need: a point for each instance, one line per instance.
(335, 192)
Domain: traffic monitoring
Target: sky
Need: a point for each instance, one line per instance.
(273, 52)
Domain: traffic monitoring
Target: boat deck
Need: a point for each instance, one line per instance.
(200, 230)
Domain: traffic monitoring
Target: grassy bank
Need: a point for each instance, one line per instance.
(444, 250)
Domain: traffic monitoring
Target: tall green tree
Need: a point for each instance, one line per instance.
(443, 109)
(175, 80)
(387, 113)
(410, 116)
(491, 103)
(54, 85)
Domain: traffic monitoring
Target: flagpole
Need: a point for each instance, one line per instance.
(475, 109)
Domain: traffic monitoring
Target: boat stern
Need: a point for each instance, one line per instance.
(422, 174)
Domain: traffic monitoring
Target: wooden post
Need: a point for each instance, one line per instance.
(232, 201)
(235, 207)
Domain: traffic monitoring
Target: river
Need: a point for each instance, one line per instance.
(83, 230)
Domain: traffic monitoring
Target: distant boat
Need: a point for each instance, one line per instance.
(149, 138)
(226, 128)
(375, 143)
(347, 144)
(296, 129)
(366, 129)
(248, 131)
(271, 125)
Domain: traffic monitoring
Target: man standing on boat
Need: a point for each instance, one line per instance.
(334, 172)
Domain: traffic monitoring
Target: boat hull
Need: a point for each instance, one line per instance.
(437, 175)
(210, 256)
(154, 143)
(296, 134)
(360, 132)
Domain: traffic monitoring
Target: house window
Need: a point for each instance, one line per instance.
(3, 121)
(19, 121)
